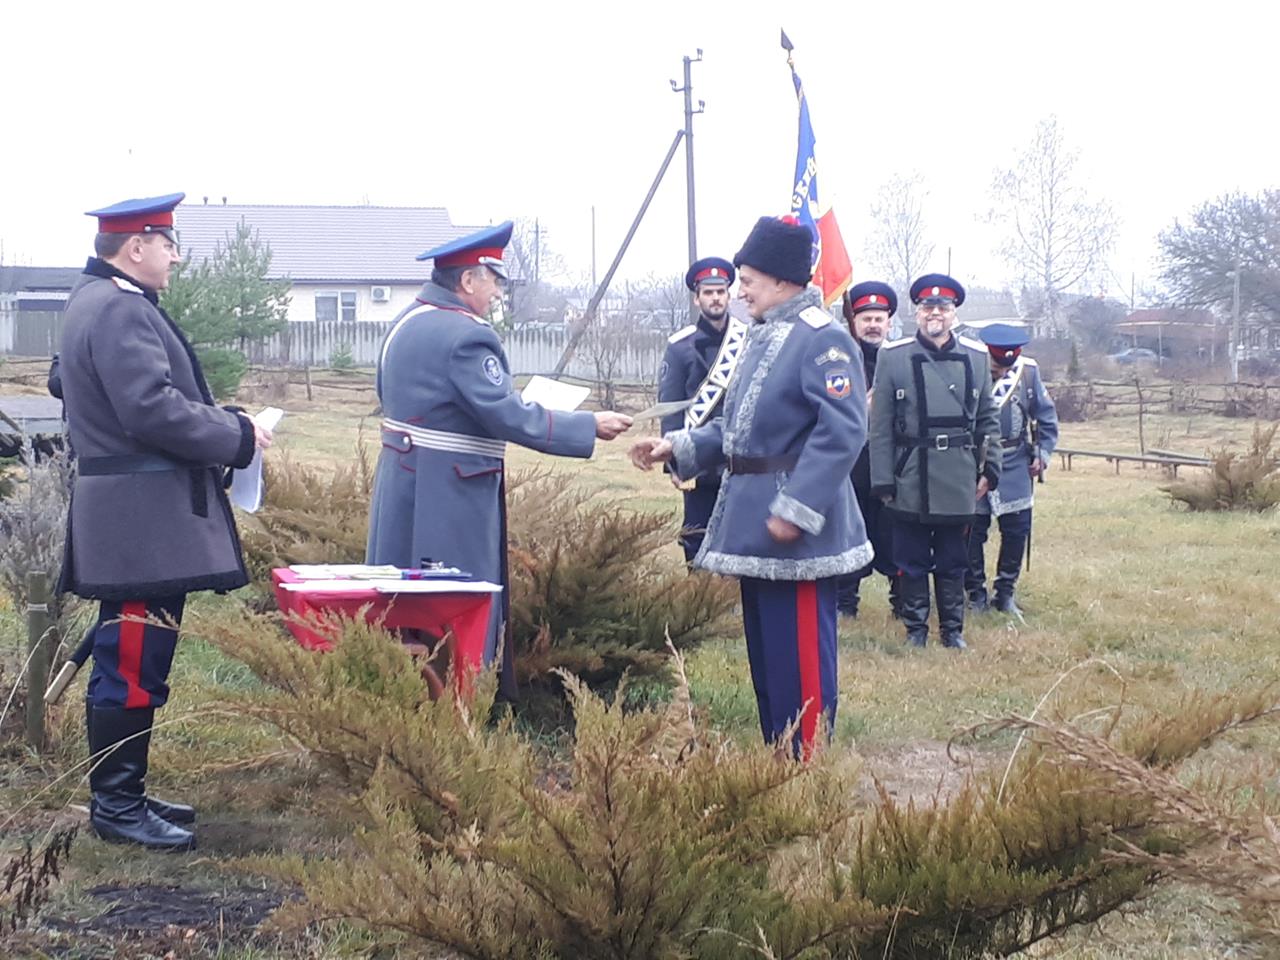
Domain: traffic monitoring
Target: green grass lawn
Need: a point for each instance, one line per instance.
(1130, 598)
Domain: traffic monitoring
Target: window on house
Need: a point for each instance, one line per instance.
(334, 305)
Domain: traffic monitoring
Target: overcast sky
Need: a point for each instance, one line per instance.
(501, 109)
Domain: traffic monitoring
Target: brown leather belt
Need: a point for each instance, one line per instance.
(762, 464)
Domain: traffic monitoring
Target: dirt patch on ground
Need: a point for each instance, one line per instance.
(152, 920)
(923, 771)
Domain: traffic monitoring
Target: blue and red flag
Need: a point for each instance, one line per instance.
(832, 271)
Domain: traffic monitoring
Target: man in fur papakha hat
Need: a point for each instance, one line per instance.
(794, 422)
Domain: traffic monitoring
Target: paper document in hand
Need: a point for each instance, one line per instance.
(246, 484)
(659, 410)
(553, 394)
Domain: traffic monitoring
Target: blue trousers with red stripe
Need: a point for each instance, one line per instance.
(791, 645)
(131, 658)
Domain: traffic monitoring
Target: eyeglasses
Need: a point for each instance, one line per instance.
(937, 308)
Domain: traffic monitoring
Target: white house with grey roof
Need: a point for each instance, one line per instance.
(346, 263)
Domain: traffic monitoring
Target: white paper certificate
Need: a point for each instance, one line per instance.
(246, 484)
(553, 394)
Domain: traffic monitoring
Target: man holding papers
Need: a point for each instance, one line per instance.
(449, 410)
(150, 521)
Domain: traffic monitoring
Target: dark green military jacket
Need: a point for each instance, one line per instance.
(932, 423)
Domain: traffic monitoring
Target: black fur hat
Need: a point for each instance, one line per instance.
(780, 248)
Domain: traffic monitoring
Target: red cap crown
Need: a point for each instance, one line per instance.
(469, 258)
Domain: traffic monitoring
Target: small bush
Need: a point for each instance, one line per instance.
(1074, 401)
(1236, 481)
(308, 515)
(342, 358)
(591, 591)
(656, 838)
(33, 529)
(27, 877)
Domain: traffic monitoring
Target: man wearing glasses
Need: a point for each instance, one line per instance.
(150, 521)
(449, 409)
(933, 432)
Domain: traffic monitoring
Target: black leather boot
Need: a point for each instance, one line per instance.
(179, 813)
(951, 611)
(895, 598)
(913, 603)
(118, 811)
(975, 576)
(1008, 566)
(847, 588)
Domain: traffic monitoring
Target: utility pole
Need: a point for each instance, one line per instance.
(589, 316)
(537, 250)
(593, 246)
(1235, 323)
(689, 113)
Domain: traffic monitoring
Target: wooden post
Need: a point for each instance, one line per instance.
(38, 664)
(306, 372)
(1142, 443)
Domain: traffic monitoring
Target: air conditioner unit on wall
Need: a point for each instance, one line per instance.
(380, 294)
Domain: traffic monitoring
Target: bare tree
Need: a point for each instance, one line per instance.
(537, 269)
(672, 302)
(898, 248)
(1057, 236)
(1199, 256)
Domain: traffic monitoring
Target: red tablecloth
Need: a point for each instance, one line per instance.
(465, 614)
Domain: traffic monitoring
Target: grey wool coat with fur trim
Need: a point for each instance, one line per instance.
(149, 515)
(797, 395)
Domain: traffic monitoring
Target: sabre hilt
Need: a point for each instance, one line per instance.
(67, 672)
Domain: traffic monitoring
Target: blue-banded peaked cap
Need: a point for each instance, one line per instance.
(1005, 341)
(1005, 335)
(482, 247)
(140, 215)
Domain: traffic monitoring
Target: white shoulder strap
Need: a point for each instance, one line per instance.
(417, 312)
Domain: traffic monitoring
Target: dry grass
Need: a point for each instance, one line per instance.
(1168, 599)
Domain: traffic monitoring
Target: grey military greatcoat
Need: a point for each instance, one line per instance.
(933, 428)
(794, 422)
(1021, 400)
(149, 515)
(449, 410)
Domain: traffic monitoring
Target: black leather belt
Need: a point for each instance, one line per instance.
(1010, 444)
(957, 441)
(149, 463)
(763, 464)
(128, 463)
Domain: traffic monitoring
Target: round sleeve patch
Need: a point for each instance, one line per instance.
(493, 370)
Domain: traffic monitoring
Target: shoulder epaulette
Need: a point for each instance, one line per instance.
(973, 344)
(815, 317)
(896, 343)
(682, 333)
(1030, 361)
(125, 285)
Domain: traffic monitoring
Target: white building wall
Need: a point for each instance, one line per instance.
(302, 305)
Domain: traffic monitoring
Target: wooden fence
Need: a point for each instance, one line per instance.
(633, 357)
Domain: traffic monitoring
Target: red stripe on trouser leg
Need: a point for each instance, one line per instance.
(132, 627)
(810, 672)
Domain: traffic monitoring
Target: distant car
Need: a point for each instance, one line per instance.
(1134, 355)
